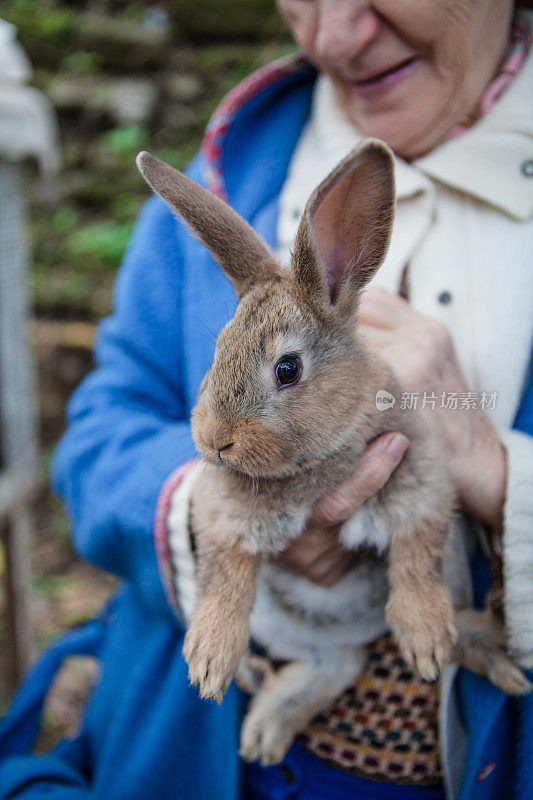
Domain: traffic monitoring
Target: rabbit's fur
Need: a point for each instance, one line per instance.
(272, 450)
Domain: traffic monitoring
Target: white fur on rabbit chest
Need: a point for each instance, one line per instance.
(293, 618)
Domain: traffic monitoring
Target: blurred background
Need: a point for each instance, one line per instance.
(119, 77)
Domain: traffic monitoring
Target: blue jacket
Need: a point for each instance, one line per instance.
(145, 733)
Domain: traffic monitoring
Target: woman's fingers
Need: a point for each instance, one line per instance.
(376, 338)
(377, 464)
(382, 309)
(313, 551)
(317, 553)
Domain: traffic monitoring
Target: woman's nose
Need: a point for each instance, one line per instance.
(344, 29)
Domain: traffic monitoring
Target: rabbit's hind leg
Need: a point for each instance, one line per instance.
(252, 672)
(291, 697)
(479, 647)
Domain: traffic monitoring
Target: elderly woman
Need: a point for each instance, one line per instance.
(447, 83)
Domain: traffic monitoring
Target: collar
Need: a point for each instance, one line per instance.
(251, 135)
(492, 161)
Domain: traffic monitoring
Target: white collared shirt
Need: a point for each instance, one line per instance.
(464, 225)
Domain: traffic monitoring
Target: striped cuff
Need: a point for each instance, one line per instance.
(518, 546)
(172, 540)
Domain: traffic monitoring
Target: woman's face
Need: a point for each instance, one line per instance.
(405, 71)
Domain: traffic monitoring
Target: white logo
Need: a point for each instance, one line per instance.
(384, 400)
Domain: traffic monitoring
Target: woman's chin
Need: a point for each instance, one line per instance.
(411, 126)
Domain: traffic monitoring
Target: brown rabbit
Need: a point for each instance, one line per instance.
(283, 415)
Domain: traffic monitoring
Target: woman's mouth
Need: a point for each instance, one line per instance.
(386, 79)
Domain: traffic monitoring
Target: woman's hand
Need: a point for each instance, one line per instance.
(420, 350)
(317, 553)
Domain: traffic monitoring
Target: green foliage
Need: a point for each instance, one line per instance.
(49, 584)
(66, 288)
(103, 242)
(77, 247)
(47, 454)
(125, 206)
(60, 526)
(43, 23)
(228, 19)
(65, 218)
(244, 58)
(124, 140)
(180, 156)
(82, 62)
(133, 11)
(231, 63)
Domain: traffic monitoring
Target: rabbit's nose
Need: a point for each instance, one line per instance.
(216, 434)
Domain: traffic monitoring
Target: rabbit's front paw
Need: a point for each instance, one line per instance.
(213, 647)
(423, 625)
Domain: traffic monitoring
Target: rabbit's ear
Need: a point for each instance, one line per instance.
(242, 254)
(345, 229)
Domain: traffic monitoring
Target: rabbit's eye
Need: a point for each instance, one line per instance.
(288, 370)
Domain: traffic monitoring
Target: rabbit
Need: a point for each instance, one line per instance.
(282, 416)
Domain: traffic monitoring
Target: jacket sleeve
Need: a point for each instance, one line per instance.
(518, 546)
(173, 538)
(518, 531)
(127, 423)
